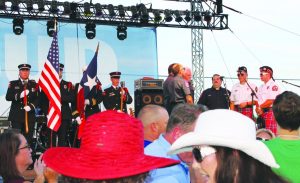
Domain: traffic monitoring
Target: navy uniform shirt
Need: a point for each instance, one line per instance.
(215, 99)
(112, 99)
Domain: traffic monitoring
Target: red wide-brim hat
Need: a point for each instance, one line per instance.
(111, 147)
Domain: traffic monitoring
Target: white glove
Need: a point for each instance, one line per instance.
(27, 108)
(22, 95)
(86, 102)
(78, 120)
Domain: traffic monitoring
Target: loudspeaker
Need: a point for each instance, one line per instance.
(147, 96)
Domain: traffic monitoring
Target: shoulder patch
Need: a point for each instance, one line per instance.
(275, 88)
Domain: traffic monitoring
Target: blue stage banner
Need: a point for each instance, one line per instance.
(135, 57)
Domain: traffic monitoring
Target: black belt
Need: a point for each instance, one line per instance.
(267, 109)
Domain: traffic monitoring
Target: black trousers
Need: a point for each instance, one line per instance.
(59, 138)
(20, 126)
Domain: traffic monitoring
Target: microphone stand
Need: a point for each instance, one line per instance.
(252, 97)
(227, 97)
(290, 83)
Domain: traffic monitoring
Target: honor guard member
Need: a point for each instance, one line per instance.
(243, 94)
(215, 97)
(267, 93)
(23, 94)
(116, 97)
(92, 101)
(67, 98)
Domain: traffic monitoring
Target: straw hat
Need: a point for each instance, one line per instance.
(111, 147)
(223, 127)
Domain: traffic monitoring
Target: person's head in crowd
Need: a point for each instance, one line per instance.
(286, 109)
(224, 143)
(24, 71)
(216, 81)
(111, 150)
(15, 155)
(178, 69)
(187, 74)
(242, 74)
(154, 119)
(266, 73)
(264, 134)
(182, 120)
(170, 69)
(115, 78)
(61, 70)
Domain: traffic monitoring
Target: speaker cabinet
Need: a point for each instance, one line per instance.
(147, 96)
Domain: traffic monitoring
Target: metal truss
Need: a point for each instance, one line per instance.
(131, 16)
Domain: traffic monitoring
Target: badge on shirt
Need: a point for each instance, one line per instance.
(112, 94)
(274, 88)
(17, 87)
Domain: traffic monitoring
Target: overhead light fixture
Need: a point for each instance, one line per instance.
(168, 15)
(87, 9)
(121, 11)
(98, 9)
(67, 8)
(121, 32)
(2, 5)
(134, 12)
(15, 5)
(207, 16)
(178, 17)
(51, 27)
(53, 7)
(90, 30)
(197, 16)
(144, 13)
(41, 5)
(187, 17)
(29, 5)
(111, 10)
(157, 16)
(18, 26)
(73, 7)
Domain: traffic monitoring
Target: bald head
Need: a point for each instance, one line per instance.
(154, 119)
(187, 74)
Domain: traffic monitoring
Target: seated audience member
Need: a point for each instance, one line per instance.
(154, 119)
(286, 147)
(224, 143)
(15, 158)
(264, 134)
(182, 120)
(111, 150)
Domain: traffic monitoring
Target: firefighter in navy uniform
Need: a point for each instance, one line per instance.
(67, 93)
(112, 95)
(21, 91)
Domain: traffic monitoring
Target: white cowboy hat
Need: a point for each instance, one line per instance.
(222, 127)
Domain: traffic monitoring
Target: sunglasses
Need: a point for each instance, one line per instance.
(25, 147)
(201, 152)
(263, 73)
(241, 74)
(261, 139)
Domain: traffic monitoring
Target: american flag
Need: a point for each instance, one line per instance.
(49, 83)
(88, 81)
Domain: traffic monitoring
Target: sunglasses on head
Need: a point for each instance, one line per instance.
(201, 152)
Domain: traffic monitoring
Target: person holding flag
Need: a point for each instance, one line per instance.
(23, 94)
(88, 95)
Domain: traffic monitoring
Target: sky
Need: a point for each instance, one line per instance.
(266, 33)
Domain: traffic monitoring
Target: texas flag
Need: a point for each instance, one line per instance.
(88, 81)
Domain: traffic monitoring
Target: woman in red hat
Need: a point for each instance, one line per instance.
(111, 150)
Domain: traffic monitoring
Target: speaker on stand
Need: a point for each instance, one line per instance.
(148, 91)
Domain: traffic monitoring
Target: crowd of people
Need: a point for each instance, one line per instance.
(216, 140)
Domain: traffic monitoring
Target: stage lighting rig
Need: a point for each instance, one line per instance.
(157, 16)
(197, 16)
(111, 10)
(187, 17)
(2, 5)
(168, 15)
(121, 11)
(54, 7)
(18, 26)
(14, 5)
(134, 12)
(98, 9)
(178, 16)
(29, 5)
(144, 19)
(51, 28)
(41, 5)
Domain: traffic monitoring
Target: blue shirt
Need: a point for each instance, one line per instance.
(173, 174)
